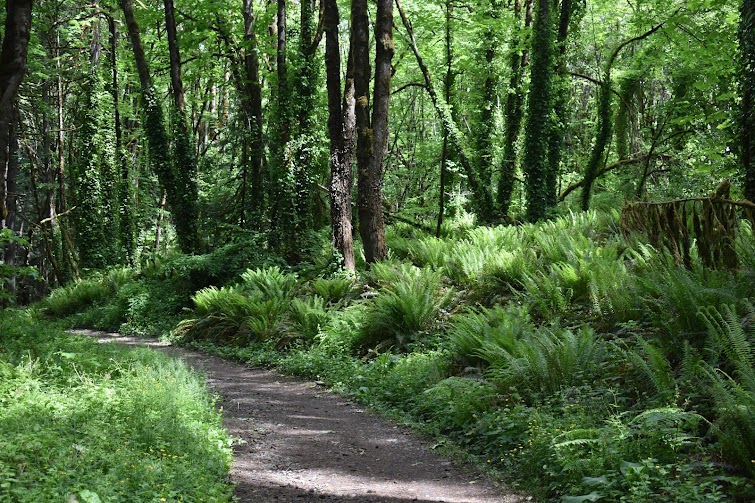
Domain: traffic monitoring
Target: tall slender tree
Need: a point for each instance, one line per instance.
(372, 132)
(514, 105)
(536, 128)
(341, 124)
(747, 48)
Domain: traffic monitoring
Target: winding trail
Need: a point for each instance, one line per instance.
(302, 443)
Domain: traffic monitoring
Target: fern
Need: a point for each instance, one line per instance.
(406, 310)
(271, 282)
(653, 368)
(481, 336)
(548, 361)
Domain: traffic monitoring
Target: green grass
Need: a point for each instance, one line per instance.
(88, 422)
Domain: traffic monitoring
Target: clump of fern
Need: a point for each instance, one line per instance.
(76, 297)
(305, 318)
(549, 360)
(333, 289)
(271, 282)
(481, 336)
(405, 310)
(732, 380)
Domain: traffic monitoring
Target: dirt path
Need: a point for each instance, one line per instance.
(302, 443)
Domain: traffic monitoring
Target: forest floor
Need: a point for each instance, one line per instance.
(298, 442)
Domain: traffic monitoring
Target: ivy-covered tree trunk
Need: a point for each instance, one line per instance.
(184, 156)
(747, 49)
(485, 129)
(514, 107)
(535, 160)
(372, 133)
(15, 43)
(560, 98)
(126, 220)
(182, 207)
(341, 131)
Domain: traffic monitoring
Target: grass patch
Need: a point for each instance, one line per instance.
(88, 422)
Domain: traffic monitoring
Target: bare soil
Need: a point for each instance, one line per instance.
(302, 443)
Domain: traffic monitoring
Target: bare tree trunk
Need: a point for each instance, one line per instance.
(341, 132)
(372, 134)
(12, 69)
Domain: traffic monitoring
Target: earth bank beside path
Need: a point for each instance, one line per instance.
(301, 443)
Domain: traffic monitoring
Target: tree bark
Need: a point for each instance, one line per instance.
(513, 111)
(447, 85)
(12, 69)
(340, 130)
(535, 162)
(252, 100)
(372, 136)
(747, 124)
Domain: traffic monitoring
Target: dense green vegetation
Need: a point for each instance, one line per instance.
(567, 356)
(200, 171)
(92, 423)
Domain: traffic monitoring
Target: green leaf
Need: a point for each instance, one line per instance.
(595, 481)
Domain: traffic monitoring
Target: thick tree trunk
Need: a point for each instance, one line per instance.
(514, 108)
(535, 160)
(340, 130)
(372, 135)
(12, 69)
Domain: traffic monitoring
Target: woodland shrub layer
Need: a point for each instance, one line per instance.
(573, 360)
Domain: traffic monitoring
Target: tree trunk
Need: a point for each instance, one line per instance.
(372, 135)
(535, 160)
(12, 69)
(184, 153)
(127, 233)
(747, 48)
(447, 85)
(514, 108)
(557, 127)
(252, 100)
(340, 130)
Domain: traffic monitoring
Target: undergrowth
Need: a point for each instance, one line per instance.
(579, 363)
(88, 422)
